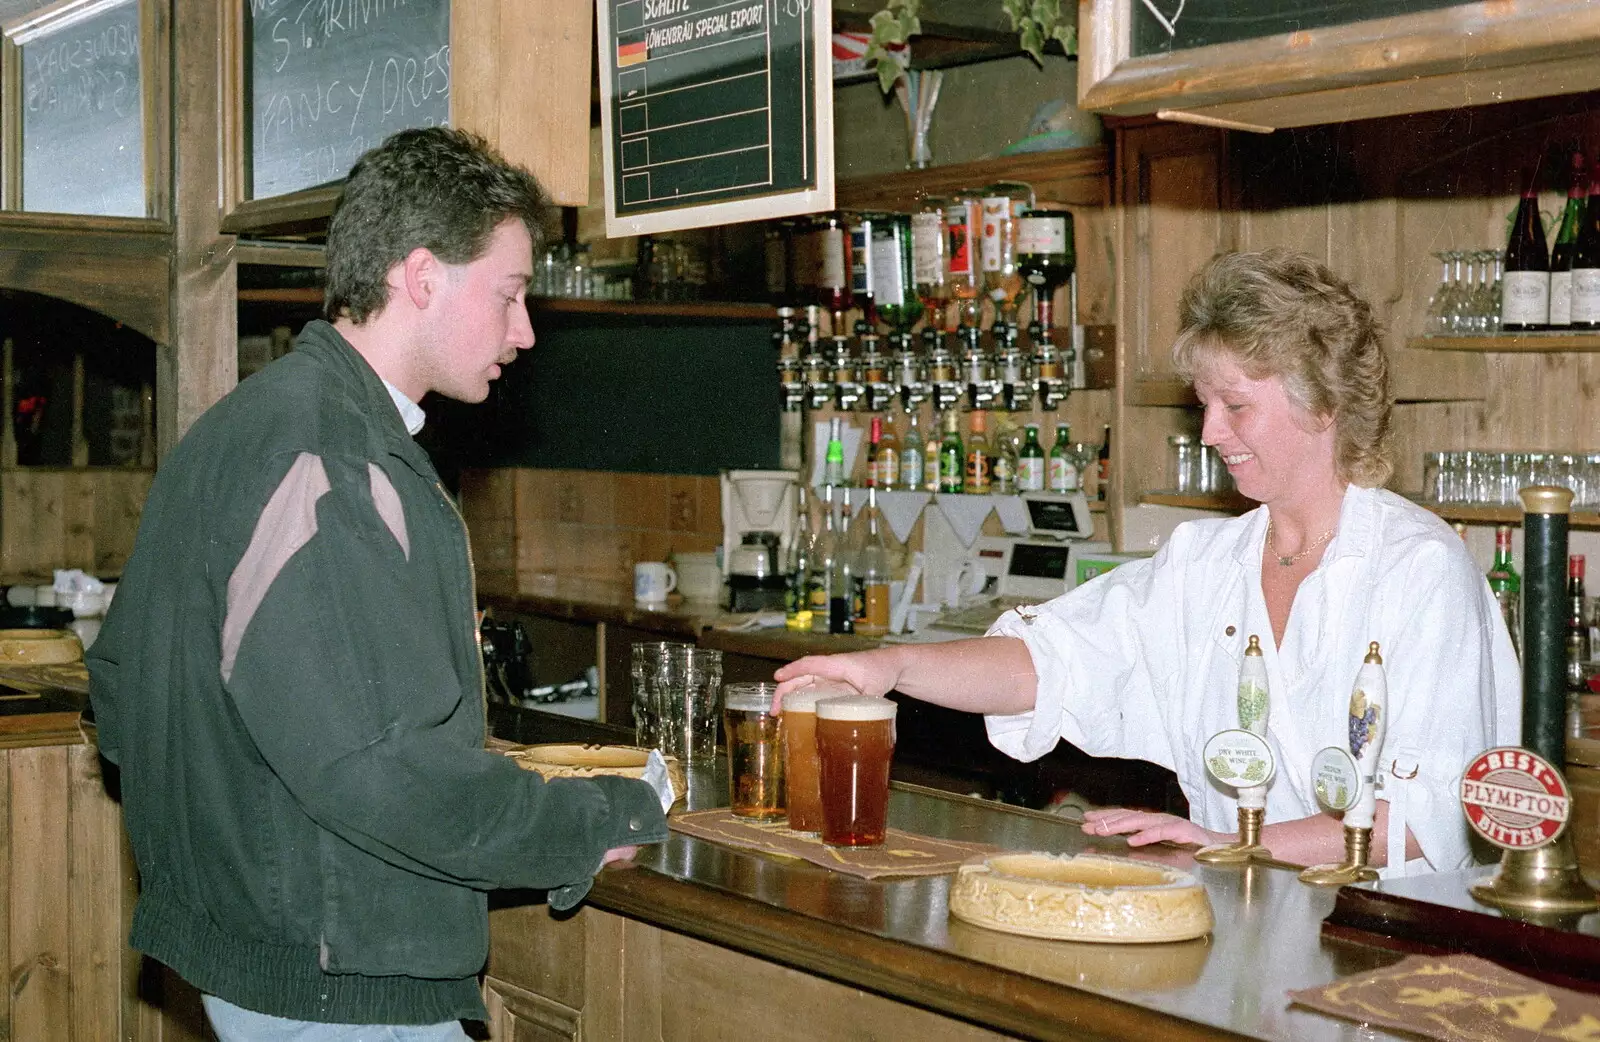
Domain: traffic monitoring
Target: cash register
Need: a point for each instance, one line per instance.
(1024, 569)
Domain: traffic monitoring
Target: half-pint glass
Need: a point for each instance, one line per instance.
(855, 743)
(649, 663)
(755, 751)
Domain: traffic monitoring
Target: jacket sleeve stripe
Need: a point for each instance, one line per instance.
(288, 522)
(390, 509)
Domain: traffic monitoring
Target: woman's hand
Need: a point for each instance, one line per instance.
(870, 672)
(1144, 827)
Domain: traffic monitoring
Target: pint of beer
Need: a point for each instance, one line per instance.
(855, 743)
(800, 773)
(755, 751)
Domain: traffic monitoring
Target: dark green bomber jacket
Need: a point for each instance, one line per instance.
(289, 681)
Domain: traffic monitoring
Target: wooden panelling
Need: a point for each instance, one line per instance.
(69, 519)
(129, 287)
(506, 53)
(40, 946)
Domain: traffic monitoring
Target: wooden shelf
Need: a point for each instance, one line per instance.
(657, 308)
(1071, 176)
(1501, 515)
(1509, 342)
(560, 305)
(1171, 392)
(1229, 502)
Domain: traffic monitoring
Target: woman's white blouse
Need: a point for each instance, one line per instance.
(1143, 663)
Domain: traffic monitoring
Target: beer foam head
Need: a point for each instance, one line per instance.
(856, 707)
(749, 697)
(805, 699)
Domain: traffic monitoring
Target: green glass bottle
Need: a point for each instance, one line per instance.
(1031, 462)
(952, 455)
(1506, 584)
(1062, 466)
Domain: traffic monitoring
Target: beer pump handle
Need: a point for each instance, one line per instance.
(1368, 709)
(1253, 712)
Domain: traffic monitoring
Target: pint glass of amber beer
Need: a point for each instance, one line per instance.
(800, 753)
(755, 751)
(855, 742)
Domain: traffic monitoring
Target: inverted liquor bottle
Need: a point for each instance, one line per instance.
(1566, 245)
(833, 267)
(1002, 282)
(894, 291)
(964, 231)
(1525, 303)
(1046, 257)
(929, 249)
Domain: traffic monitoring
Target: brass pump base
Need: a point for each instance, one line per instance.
(1357, 843)
(1544, 879)
(1248, 847)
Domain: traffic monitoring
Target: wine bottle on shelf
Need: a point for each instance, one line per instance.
(1586, 263)
(1525, 302)
(1566, 245)
(874, 451)
(911, 454)
(1103, 475)
(1506, 584)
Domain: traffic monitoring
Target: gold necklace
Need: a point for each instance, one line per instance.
(1287, 561)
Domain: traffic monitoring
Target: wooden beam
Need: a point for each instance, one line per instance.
(200, 361)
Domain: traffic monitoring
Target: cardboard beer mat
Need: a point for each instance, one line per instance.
(1458, 998)
(902, 853)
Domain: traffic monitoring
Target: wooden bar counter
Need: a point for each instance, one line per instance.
(696, 940)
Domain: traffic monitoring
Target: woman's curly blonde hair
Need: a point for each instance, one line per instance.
(1282, 313)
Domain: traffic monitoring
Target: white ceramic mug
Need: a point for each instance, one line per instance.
(699, 578)
(652, 581)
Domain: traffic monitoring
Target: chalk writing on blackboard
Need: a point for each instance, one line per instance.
(1161, 26)
(82, 110)
(330, 79)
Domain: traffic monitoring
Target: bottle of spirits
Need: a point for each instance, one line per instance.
(823, 565)
(1586, 263)
(874, 451)
(894, 287)
(911, 449)
(1030, 462)
(1525, 286)
(1003, 469)
(841, 576)
(932, 453)
(952, 455)
(1577, 628)
(1506, 585)
(797, 597)
(833, 267)
(872, 572)
(888, 457)
(1061, 469)
(1103, 474)
(833, 458)
(1566, 245)
(980, 457)
(1002, 282)
(964, 230)
(929, 250)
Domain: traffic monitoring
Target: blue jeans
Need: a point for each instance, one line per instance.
(235, 1024)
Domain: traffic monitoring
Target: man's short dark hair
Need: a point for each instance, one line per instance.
(439, 188)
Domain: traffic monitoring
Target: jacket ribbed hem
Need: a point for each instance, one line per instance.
(287, 980)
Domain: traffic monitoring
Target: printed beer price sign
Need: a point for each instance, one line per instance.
(1514, 799)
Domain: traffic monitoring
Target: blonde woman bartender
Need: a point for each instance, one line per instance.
(1143, 662)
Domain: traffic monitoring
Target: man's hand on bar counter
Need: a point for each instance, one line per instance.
(618, 854)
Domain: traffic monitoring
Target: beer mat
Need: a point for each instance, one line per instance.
(902, 853)
(1458, 998)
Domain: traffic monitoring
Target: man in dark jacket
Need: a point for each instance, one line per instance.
(289, 677)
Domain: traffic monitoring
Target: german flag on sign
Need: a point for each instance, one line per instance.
(631, 53)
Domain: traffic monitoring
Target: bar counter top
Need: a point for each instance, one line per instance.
(585, 601)
(894, 937)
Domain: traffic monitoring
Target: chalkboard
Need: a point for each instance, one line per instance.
(82, 111)
(714, 111)
(666, 396)
(330, 79)
(1161, 26)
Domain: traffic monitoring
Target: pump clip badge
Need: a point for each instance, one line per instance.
(1514, 799)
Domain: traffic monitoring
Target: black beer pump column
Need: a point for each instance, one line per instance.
(1516, 798)
(1544, 621)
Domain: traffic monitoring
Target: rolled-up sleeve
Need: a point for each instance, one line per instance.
(1102, 654)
